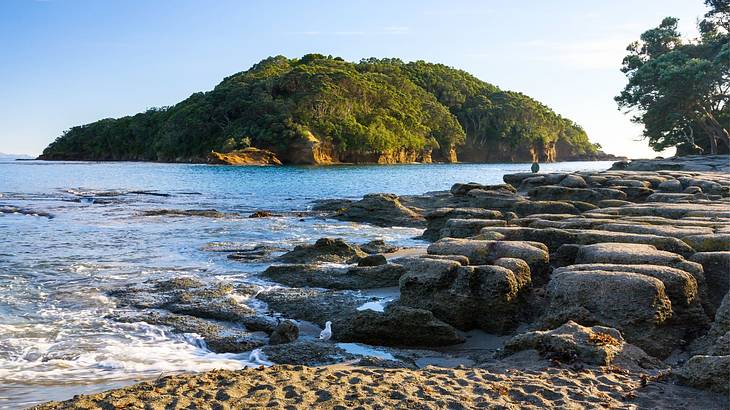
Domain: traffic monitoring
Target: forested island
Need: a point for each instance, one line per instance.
(323, 110)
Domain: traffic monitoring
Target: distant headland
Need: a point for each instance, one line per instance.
(323, 110)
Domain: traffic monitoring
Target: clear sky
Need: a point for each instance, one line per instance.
(69, 62)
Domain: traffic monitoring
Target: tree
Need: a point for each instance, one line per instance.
(679, 89)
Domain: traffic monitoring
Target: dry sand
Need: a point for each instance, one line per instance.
(343, 387)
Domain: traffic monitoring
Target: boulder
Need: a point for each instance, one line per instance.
(689, 319)
(706, 372)
(573, 181)
(378, 246)
(571, 342)
(634, 304)
(246, 156)
(635, 254)
(324, 250)
(460, 189)
(483, 252)
(436, 220)
(306, 353)
(285, 332)
(313, 305)
(489, 297)
(671, 185)
(358, 277)
(716, 267)
(381, 210)
(709, 242)
(372, 260)
(396, 326)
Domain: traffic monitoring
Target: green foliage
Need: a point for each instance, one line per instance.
(374, 106)
(679, 89)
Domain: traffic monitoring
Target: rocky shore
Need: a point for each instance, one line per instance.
(557, 290)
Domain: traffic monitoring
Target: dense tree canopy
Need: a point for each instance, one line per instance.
(680, 89)
(376, 105)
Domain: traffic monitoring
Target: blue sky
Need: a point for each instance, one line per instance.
(69, 62)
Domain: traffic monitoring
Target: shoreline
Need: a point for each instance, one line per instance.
(641, 218)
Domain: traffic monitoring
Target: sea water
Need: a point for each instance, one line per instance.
(80, 232)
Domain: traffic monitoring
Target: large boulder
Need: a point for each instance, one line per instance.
(285, 332)
(635, 304)
(484, 252)
(716, 266)
(381, 210)
(489, 297)
(709, 242)
(395, 326)
(573, 181)
(688, 319)
(333, 250)
(357, 277)
(706, 372)
(571, 342)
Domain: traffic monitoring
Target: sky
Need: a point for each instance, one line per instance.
(70, 62)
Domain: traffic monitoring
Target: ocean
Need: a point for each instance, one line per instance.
(72, 231)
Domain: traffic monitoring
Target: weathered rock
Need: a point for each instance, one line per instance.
(218, 338)
(372, 260)
(381, 210)
(709, 242)
(378, 246)
(706, 372)
(524, 208)
(502, 200)
(464, 228)
(489, 297)
(359, 277)
(607, 203)
(671, 185)
(461, 259)
(396, 326)
(460, 189)
(571, 342)
(716, 267)
(635, 254)
(312, 305)
(436, 220)
(483, 252)
(573, 181)
(554, 238)
(635, 304)
(306, 353)
(206, 213)
(285, 332)
(324, 250)
(188, 296)
(561, 193)
(246, 156)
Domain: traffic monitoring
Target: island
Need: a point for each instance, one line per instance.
(321, 109)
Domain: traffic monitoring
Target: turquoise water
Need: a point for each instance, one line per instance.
(55, 270)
